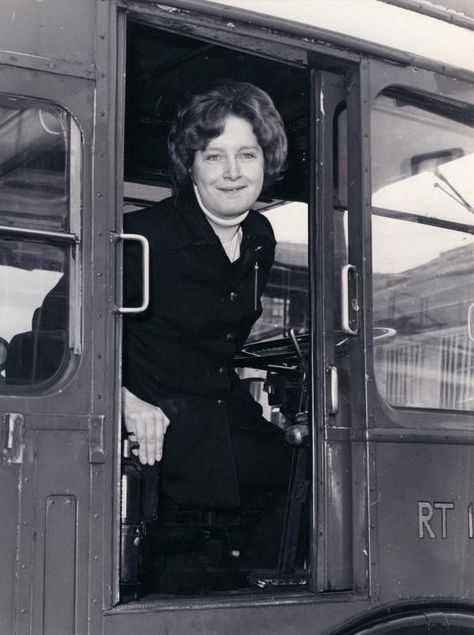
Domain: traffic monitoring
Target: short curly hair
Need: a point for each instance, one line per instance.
(202, 117)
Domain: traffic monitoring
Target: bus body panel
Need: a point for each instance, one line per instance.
(307, 617)
(423, 513)
(374, 22)
(9, 480)
(47, 56)
(57, 38)
(55, 539)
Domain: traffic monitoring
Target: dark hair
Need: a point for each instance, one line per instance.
(202, 118)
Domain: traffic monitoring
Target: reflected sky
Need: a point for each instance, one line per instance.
(21, 292)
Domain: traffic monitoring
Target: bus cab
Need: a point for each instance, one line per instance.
(363, 355)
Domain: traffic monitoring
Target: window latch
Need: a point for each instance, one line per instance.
(470, 322)
(350, 306)
(12, 439)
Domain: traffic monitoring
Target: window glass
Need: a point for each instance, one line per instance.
(33, 165)
(285, 301)
(423, 255)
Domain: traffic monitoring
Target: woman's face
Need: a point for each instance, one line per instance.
(229, 172)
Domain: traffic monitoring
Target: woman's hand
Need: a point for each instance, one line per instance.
(147, 424)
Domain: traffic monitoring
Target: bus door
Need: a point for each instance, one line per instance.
(49, 427)
(337, 354)
(421, 344)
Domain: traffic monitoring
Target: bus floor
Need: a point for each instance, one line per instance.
(190, 551)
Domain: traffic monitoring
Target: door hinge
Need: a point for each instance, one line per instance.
(96, 439)
(12, 439)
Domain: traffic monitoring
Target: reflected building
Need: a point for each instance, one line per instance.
(430, 361)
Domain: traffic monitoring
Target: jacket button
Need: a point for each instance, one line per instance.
(220, 402)
(222, 370)
(233, 296)
(230, 337)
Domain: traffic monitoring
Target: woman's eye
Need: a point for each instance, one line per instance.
(248, 155)
(213, 157)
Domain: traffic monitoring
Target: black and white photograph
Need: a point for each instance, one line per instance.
(237, 317)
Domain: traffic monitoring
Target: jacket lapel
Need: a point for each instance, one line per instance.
(194, 230)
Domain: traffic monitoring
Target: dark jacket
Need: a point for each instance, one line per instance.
(179, 353)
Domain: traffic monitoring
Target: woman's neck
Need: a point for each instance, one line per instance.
(225, 228)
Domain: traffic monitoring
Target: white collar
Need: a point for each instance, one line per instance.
(217, 220)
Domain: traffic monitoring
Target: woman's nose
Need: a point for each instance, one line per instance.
(232, 169)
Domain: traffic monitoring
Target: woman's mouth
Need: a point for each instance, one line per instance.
(231, 189)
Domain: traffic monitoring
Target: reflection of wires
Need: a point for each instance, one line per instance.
(45, 127)
(458, 197)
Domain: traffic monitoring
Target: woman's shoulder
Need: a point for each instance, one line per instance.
(150, 220)
(258, 224)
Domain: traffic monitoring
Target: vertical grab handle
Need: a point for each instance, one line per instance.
(145, 270)
(333, 401)
(349, 300)
(470, 321)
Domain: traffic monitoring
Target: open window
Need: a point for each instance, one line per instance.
(210, 551)
(202, 551)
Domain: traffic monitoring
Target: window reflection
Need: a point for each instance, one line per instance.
(33, 310)
(430, 362)
(285, 301)
(33, 165)
(423, 256)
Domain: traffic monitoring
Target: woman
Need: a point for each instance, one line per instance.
(210, 260)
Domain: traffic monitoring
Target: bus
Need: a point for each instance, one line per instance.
(364, 353)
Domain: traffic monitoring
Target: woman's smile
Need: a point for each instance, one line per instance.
(229, 173)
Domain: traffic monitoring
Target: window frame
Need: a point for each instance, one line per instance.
(442, 93)
(72, 243)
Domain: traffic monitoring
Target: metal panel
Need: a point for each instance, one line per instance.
(424, 515)
(60, 565)
(53, 550)
(35, 35)
(306, 614)
(9, 480)
(360, 25)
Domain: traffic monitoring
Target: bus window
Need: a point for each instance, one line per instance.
(285, 300)
(38, 170)
(33, 165)
(423, 254)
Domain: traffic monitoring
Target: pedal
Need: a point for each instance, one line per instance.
(263, 580)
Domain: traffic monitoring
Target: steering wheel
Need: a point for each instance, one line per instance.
(283, 354)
